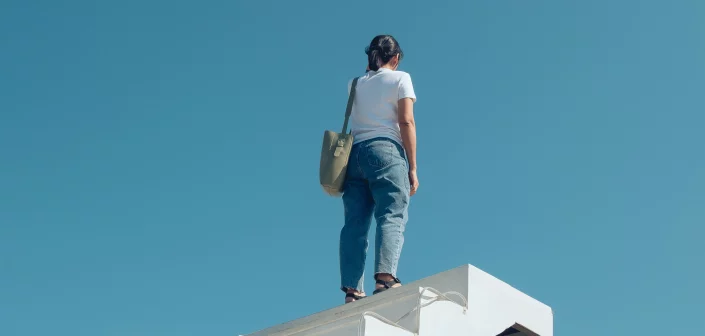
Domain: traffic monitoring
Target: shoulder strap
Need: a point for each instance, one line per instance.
(351, 98)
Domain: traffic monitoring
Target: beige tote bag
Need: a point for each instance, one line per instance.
(336, 152)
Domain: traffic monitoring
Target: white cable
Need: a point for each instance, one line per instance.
(437, 298)
(465, 301)
(416, 309)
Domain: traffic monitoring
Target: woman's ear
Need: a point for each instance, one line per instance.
(396, 61)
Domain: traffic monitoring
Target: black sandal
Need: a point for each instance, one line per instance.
(386, 284)
(354, 296)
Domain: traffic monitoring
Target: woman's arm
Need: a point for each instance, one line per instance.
(407, 126)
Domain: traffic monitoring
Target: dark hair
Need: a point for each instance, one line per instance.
(381, 50)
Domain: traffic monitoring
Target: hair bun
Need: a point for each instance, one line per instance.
(381, 50)
(376, 48)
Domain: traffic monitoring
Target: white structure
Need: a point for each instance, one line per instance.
(463, 301)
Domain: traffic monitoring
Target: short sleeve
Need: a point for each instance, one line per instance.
(406, 88)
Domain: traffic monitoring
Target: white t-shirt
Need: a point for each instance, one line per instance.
(374, 112)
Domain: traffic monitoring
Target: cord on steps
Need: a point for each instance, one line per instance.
(416, 309)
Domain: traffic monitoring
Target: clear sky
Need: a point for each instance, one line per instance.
(159, 159)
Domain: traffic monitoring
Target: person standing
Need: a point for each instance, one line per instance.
(381, 174)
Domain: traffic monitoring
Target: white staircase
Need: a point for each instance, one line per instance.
(463, 301)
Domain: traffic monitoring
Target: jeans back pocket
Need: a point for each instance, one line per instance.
(380, 154)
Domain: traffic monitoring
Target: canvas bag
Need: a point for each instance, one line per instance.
(335, 153)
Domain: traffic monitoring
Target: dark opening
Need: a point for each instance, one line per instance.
(518, 330)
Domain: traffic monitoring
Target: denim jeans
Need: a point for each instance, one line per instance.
(377, 184)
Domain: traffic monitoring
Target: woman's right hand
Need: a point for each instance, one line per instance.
(413, 182)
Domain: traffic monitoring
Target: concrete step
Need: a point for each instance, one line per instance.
(489, 307)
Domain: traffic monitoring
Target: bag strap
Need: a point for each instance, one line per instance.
(348, 110)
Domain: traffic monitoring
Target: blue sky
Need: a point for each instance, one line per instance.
(159, 159)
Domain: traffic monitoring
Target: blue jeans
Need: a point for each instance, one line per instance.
(377, 184)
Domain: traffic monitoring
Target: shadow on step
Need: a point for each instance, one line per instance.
(518, 330)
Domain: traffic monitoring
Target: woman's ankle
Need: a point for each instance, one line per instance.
(387, 278)
(384, 277)
(349, 290)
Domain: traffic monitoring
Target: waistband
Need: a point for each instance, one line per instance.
(363, 142)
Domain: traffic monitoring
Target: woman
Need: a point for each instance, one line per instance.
(381, 174)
